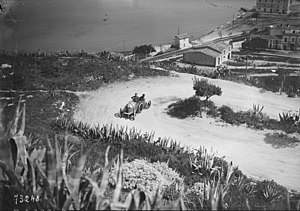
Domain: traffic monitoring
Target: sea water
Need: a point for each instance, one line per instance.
(112, 25)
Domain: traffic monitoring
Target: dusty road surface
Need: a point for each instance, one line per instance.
(257, 153)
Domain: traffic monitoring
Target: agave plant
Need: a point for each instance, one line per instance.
(44, 173)
(245, 186)
(256, 111)
(110, 133)
(217, 189)
(289, 118)
(202, 162)
(270, 191)
(13, 142)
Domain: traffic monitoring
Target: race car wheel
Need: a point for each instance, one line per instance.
(149, 104)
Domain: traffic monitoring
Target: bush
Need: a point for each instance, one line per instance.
(228, 115)
(143, 50)
(145, 176)
(255, 43)
(184, 108)
(198, 189)
(196, 197)
(171, 192)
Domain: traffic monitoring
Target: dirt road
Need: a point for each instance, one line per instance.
(257, 153)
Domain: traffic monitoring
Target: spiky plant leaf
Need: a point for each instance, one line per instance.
(13, 125)
(59, 169)
(119, 180)
(38, 154)
(50, 167)
(31, 172)
(74, 180)
(7, 170)
(65, 160)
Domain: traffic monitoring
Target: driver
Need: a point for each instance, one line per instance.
(135, 98)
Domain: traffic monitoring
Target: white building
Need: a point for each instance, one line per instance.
(182, 41)
(213, 54)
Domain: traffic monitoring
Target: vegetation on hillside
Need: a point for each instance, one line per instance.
(253, 118)
(74, 72)
(143, 50)
(50, 82)
(68, 174)
(287, 84)
(255, 43)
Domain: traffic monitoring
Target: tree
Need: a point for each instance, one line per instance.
(255, 43)
(205, 89)
(143, 50)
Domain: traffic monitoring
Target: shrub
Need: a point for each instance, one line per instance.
(255, 43)
(168, 173)
(211, 109)
(143, 50)
(145, 176)
(291, 94)
(171, 192)
(228, 115)
(184, 108)
(198, 189)
(192, 106)
(196, 197)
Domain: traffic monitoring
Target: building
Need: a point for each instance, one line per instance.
(237, 43)
(182, 41)
(282, 37)
(213, 54)
(273, 6)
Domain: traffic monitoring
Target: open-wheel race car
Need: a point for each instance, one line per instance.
(133, 107)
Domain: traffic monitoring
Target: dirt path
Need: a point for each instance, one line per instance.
(256, 152)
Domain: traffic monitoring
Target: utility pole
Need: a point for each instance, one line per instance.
(178, 31)
(124, 45)
(247, 64)
(233, 20)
